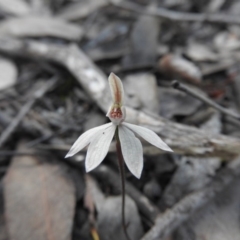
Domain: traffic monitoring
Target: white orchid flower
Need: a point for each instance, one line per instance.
(100, 138)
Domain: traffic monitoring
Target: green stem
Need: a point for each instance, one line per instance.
(122, 175)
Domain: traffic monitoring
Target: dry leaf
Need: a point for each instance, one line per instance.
(177, 67)
(39, 200)
(37, 26)
(15, 7)
(144, 42)
(176, 103)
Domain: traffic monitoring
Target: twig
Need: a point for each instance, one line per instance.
(24, 110)
(178, 16)
(172, 218)
(182, 139)
(148, 209)
(204, 99)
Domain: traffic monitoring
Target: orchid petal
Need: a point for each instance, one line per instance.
(132, 151)
(116, 87)
(98, 147)
(149, 136)
(85, 139)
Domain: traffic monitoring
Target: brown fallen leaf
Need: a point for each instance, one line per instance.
(177, 67)
(39, 200)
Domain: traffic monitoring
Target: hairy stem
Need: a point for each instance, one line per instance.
(122, 175)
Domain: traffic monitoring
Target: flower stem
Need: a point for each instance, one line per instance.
(122, 175)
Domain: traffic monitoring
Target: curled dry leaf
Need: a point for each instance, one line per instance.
(177, 67)
(39, 200)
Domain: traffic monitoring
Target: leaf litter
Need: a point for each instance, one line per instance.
(148, 45)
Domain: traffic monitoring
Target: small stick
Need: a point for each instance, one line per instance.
(24, 110)
(204, 99)
(122, 175)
